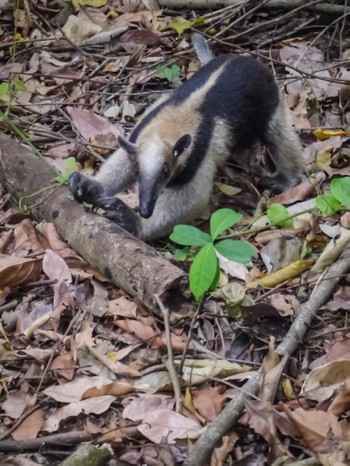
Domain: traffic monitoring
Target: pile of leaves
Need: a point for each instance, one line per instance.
(80, 361)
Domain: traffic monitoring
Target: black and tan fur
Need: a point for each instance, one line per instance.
(231, 103)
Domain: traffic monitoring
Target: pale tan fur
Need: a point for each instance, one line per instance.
(187, 204)
(154, 146)
(173, 121)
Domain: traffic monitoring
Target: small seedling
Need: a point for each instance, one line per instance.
(70, 165)
(205, 271)
(171, 73)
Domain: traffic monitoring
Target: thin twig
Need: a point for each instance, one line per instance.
(170, 359)
(189, 337)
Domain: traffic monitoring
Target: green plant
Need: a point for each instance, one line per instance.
(205, 271)
(338, 196)
(70, 165)
(171, 73)
(279, 215)
(201, 248)
(8, 88)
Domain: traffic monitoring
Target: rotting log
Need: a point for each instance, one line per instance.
(322, 7)
(127, 261)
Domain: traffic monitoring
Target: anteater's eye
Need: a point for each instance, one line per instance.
(136, 171)
(182, 145)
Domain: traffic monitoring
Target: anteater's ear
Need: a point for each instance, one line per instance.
(182, 145)
(128, 146)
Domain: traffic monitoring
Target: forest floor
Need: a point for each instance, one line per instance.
(81, 361)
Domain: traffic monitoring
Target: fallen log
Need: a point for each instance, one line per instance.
(324, 7)
(128, 262)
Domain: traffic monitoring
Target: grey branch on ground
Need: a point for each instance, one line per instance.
(128, 262)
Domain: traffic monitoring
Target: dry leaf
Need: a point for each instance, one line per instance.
(273, 279)
(17, 270)
(321, 382)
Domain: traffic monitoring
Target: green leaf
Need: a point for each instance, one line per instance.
(4, 117)
(203, 270)
(171, 73)
(19, 85)
(279, 215)
(340, 188)
(62, 178)
(215, 282)
(235, 250)
(188, 235)
(181, 254)
(4, 88)
(305, 250)
(221, 220)
(70, 164)
(327, 204)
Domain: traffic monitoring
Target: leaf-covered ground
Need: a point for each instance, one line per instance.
(81, 362)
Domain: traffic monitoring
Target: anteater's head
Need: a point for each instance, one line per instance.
(156, 163)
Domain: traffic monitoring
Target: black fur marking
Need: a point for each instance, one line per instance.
(181, 93)
(278, 183)
(245, 95)
(117, 211)
(84, 189)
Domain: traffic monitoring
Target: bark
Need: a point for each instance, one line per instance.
(282, 4)
(47, 442)
(127, 261)
(89, 455)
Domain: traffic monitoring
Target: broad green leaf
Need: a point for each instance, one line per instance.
(203, 270)
(19, 85)
(221, 220)
(188, 235)
(327, 204)
(235, 250)
(215, 282)
(340, 188)
(4, 88)
(279, 215)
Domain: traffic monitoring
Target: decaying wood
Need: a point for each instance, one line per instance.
(67, 439)
(89, 455)
(205, 445)
(128, 262)
(321, 7)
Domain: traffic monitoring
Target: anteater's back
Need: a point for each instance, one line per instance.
(243, 93)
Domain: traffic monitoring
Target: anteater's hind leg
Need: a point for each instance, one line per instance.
(285, 149)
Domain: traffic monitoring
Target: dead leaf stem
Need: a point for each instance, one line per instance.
(169, 363)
